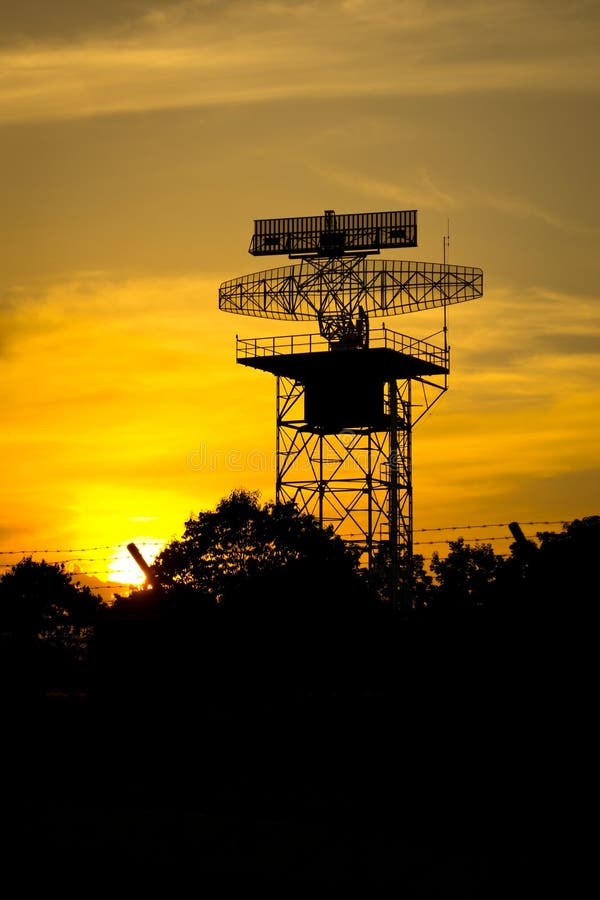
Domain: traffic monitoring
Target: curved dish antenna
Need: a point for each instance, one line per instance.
(319, 287)
(334, 282)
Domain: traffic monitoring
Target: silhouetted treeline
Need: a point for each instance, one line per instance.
(266, 677)
(286, 612)
(257, 602)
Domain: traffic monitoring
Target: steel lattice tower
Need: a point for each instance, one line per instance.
(349, 397)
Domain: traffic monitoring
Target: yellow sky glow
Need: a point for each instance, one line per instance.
(137, 149)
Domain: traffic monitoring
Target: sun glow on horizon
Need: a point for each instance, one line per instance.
(123, 569)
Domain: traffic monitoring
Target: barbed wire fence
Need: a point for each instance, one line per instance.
(120, 554)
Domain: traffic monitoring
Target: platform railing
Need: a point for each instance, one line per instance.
(284, 345)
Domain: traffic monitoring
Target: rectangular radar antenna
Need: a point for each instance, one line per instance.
(332, 235)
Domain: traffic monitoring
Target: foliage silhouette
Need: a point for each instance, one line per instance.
(561, 577)
(257, 601)
(414, 584)
(46, 620)
(465, 578)
(262, 682)
(254, 599)
(224, 551)
(554, 578)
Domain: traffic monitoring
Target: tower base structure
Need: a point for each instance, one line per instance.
(344, 431)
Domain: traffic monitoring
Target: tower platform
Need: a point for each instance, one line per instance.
(344, 387)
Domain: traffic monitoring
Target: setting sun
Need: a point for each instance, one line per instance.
(123, 569)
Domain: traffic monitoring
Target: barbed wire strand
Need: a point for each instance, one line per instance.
(86, 549)
(490, 525)
(155, 543)
(116, 559)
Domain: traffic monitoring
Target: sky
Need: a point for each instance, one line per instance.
(139, 142)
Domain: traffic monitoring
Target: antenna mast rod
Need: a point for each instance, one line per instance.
(446, 242)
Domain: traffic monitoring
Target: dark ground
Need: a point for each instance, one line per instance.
(332, 791)
(467, 779)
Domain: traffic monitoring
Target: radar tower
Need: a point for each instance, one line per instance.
(349, 396)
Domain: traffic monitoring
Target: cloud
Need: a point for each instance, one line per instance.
(422, 191)
(419, 191)
(512, 324)
(521, 410)
(523, 208)
(33, 21)
(198, 54)
(524, 391)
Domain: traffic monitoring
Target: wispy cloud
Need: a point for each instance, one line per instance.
(522, 405)
(195, 54)
(528, 354)
(423, 191)
(522, 207)
(419, 190)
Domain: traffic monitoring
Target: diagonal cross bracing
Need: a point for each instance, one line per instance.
(315, 286)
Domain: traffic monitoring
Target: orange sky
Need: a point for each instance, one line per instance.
(139, 142)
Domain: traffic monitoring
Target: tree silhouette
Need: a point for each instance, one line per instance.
(254, 598)
(555, 577)
(413, 582)
(225, 551)
(46, 620)
(466, 577)
(563, 576)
